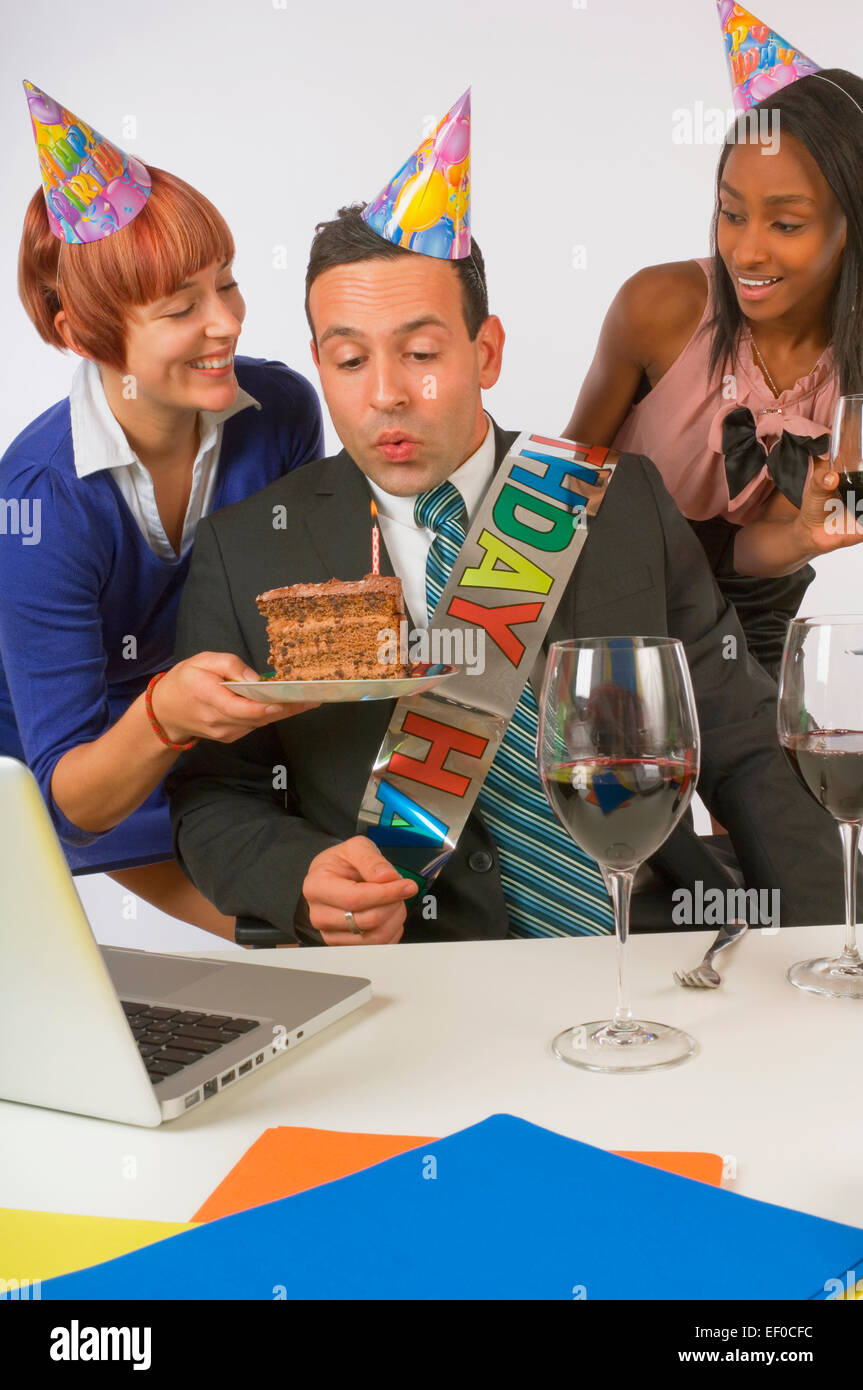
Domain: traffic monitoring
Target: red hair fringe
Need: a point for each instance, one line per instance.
(178, 233)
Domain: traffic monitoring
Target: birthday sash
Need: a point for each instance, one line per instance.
(507, 581)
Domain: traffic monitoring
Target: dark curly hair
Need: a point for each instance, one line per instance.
(348, 238)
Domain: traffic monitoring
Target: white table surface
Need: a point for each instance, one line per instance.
(459, 1032)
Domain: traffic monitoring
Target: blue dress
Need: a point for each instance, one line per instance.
(76, 588)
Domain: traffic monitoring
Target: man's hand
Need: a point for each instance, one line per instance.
(355, 877)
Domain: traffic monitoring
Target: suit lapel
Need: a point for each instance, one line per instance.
(503, 441)
(339, 520)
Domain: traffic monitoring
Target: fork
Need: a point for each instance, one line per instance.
(704, 976)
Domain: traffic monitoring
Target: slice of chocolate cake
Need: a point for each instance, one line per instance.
(335, 631)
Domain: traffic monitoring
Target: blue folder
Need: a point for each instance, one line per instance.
(502, 1210)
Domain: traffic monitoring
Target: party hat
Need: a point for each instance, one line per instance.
(426, 206)
(91, 187)
(761, 61)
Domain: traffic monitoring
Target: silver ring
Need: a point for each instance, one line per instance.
(352, 923)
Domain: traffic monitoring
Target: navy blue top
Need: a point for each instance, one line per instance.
(71, 603)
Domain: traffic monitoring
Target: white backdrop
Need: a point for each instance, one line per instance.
(280, 110)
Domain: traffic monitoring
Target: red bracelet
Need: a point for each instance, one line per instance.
(154, 723)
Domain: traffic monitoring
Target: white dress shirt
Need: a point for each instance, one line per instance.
(98, 442)
(408, 544)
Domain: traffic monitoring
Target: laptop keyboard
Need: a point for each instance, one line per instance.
(171, 1039)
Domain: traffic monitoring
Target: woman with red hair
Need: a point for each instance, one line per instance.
(129, 268)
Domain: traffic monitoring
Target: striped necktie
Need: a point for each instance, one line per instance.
(551, 887)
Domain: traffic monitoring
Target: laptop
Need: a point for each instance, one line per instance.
(127, 1035)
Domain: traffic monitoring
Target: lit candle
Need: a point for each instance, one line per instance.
(376, 541)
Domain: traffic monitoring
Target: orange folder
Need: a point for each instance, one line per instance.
(702, 1167)
(288, 1159)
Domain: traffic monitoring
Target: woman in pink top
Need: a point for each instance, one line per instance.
(726, 372)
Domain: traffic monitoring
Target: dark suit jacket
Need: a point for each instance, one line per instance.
(247, 842)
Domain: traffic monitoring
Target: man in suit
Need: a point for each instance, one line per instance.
(266, 827)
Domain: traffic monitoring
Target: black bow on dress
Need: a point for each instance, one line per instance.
(787, 462)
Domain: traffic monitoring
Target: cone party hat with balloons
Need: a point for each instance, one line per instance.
(426, 206)
(761, 61)
(91, 187)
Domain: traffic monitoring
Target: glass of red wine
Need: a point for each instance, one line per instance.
(846, 452)
(618, 752)
(820, 721)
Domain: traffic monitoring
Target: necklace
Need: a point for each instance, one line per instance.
(771, 383)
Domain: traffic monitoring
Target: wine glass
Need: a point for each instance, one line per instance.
(618, 753)
(820, 722)
(846, 450)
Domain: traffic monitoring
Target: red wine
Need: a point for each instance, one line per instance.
(830, 766)
(850, 488)
(620, 810)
